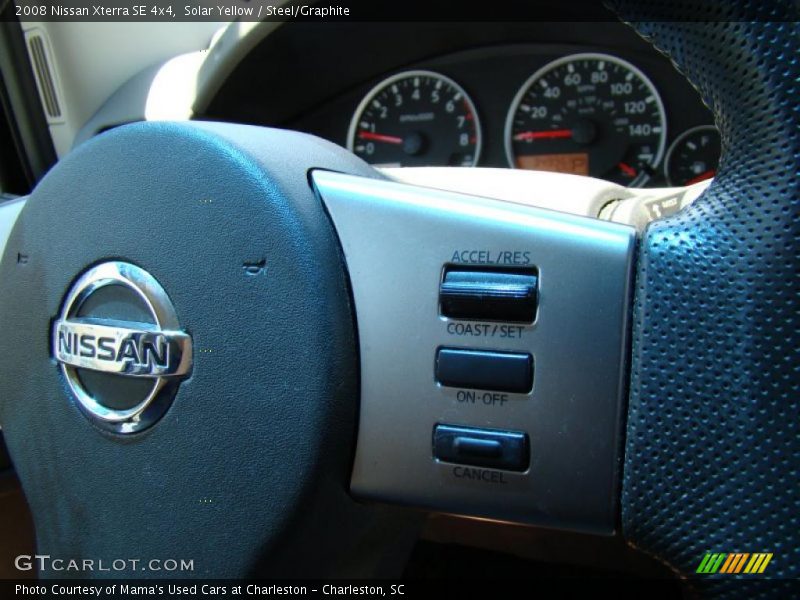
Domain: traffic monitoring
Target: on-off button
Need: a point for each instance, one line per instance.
(484, 370)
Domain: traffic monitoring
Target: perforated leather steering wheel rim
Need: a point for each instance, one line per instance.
(713, 433)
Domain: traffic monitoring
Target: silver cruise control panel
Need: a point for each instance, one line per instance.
(492, 341)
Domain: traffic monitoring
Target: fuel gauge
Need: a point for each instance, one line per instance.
(693, 156)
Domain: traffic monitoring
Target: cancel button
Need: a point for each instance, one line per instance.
(486, 449)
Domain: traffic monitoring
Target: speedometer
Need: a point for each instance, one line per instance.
(416, 118)
(588, 114)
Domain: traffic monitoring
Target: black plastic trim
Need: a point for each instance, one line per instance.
(20, 101)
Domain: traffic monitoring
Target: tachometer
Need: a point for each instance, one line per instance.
(588, 114)
(416, 118)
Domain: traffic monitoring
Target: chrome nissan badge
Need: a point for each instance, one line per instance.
(120, 346)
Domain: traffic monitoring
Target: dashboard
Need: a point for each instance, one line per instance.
(584, 98)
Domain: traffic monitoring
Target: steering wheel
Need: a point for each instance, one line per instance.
(223, 342)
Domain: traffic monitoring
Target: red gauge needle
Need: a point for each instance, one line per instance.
(377, 137)
(627, 169)
(547, 134)
(702, 177)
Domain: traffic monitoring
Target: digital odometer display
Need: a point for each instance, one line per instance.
(593, 106)
(576, 163)
(416, 118)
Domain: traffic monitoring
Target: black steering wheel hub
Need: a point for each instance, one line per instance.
(199, 315)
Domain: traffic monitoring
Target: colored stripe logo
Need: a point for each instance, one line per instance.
(732, 564)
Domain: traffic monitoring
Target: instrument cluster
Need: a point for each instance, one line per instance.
(586, 113)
